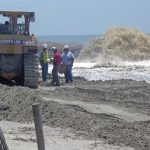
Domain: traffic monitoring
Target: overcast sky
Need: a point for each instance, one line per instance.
(57, 17)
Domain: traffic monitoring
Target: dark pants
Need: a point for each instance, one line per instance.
(68, 74)
(55, 74)
(44, 71)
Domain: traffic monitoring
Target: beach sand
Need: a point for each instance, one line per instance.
(22, 137)
(112, 113)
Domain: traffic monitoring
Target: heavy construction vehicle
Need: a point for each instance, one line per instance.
(18, 49)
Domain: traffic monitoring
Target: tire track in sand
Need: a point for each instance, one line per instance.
(119, 112)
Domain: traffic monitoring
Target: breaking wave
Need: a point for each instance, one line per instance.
(117, 44)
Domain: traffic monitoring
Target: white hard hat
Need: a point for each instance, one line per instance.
(66, 47)
(53, 48)
(45, 46)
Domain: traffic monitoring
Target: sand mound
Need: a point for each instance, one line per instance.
(16, 103)
(118, 43)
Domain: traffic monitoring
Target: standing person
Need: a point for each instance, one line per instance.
(68, 60)
(56, 62)
(44, 59)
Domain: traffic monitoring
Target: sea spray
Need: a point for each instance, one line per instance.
(117, 44)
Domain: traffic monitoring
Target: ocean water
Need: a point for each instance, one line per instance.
(77, 39)
(139, 71)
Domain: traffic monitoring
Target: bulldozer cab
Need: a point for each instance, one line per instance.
(18, 49)
(15, 22)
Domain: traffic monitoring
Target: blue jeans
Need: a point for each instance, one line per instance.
(68, 74)
(44, 71)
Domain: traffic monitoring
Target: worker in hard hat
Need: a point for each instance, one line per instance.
(68, 60)
(44, 59)
(56, 63)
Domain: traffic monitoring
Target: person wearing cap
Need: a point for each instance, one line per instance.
(56, 62)
(68, 60)
(44, 59)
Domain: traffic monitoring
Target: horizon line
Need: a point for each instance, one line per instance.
(66, 34)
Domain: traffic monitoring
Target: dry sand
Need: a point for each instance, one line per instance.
(22, 137)
(79, 108)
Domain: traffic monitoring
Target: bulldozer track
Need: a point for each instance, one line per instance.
(31, 74)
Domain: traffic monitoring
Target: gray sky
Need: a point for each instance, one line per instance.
(57, 17)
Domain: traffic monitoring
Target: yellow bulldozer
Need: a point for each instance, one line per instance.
(18, 48)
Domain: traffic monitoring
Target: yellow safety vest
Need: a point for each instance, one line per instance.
(45, 57)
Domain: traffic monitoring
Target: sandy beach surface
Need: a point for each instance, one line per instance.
(22, 136)
(79, 116)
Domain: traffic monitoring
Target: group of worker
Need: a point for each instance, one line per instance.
(66, 59)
